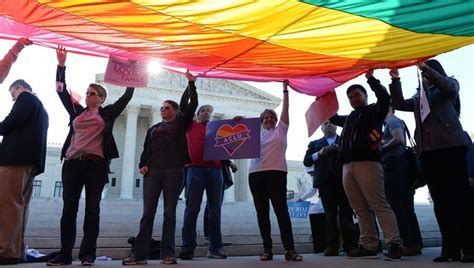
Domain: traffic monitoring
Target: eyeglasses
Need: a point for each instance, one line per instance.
(164, 108)
(91, 93)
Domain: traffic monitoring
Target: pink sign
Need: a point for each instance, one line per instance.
(126, 73)
(321, 110)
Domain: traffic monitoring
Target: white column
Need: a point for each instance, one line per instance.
(128, 155)
(155, 116)
(241, 181)
(229, 194)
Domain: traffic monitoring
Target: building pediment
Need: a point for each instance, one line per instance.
(169, 81)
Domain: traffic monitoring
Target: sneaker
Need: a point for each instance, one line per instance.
(168, 260)
(362, 253)
(186, 255)
(134, 260)
(394, 252)
(87, 260)
(59, 260)
(216, 254)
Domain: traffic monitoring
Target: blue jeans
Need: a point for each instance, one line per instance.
(156, 180)
(197, 180)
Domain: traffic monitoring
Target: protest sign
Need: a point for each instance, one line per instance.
(126, 73)
(321, 110)
(231, 139)
(298, 210)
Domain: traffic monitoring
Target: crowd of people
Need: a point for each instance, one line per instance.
(362, 174)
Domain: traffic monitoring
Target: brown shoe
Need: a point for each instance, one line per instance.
(291, 255)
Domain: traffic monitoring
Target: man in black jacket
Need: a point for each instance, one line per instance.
(22, 157)
(322, 154)
(363, 176)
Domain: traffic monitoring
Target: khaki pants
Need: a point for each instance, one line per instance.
(365, 188)
(15, 193)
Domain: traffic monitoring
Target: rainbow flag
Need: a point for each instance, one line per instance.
(317, 45)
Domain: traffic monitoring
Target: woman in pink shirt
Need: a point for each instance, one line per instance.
(88, 150)
(267, 181)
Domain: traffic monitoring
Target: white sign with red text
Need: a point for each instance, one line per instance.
(126, 73)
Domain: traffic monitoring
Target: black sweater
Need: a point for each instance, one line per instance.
(165, 143)
(362, 128)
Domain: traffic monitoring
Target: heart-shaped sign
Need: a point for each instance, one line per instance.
(231, 138)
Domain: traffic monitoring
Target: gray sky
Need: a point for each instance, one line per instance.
(37, 65)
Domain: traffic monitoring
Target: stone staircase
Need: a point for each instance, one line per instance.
(120, 220)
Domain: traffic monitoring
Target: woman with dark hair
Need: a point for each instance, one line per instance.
(267, 181)
(442, 148)
(88, 150)
(164, 155)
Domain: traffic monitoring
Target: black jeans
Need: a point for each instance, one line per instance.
(269, 186)
(169, 181)
(318, 231)
(335, 203)
(401, 199)
(78, 174)
(446, 173)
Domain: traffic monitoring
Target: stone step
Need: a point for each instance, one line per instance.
(120, 220)
(121, 241)
(201, 251)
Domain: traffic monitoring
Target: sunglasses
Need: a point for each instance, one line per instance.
(164, 108)
(90, 93)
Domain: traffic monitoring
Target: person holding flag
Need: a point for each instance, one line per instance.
(87, 152)
(442, 148)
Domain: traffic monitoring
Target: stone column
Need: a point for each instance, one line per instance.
(241, 181)
(155, 116)
(229, 194)
(128, 155)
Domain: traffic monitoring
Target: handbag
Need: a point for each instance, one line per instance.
(415, 178)
(227, 175)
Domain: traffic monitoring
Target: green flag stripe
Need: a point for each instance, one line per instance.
(438, 17)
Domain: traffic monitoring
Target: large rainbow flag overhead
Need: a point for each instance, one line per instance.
(317, 45)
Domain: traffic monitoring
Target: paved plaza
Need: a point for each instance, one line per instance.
(311, 260)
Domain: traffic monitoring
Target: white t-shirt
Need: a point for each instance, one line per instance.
(272, 150)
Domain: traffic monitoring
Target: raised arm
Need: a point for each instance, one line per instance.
(183, 103)
(61, 87)
(383, 98)
(117, 107)
(11, 56)
(448, 86)
(188, 113)
(398, 102)
(284, 117)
